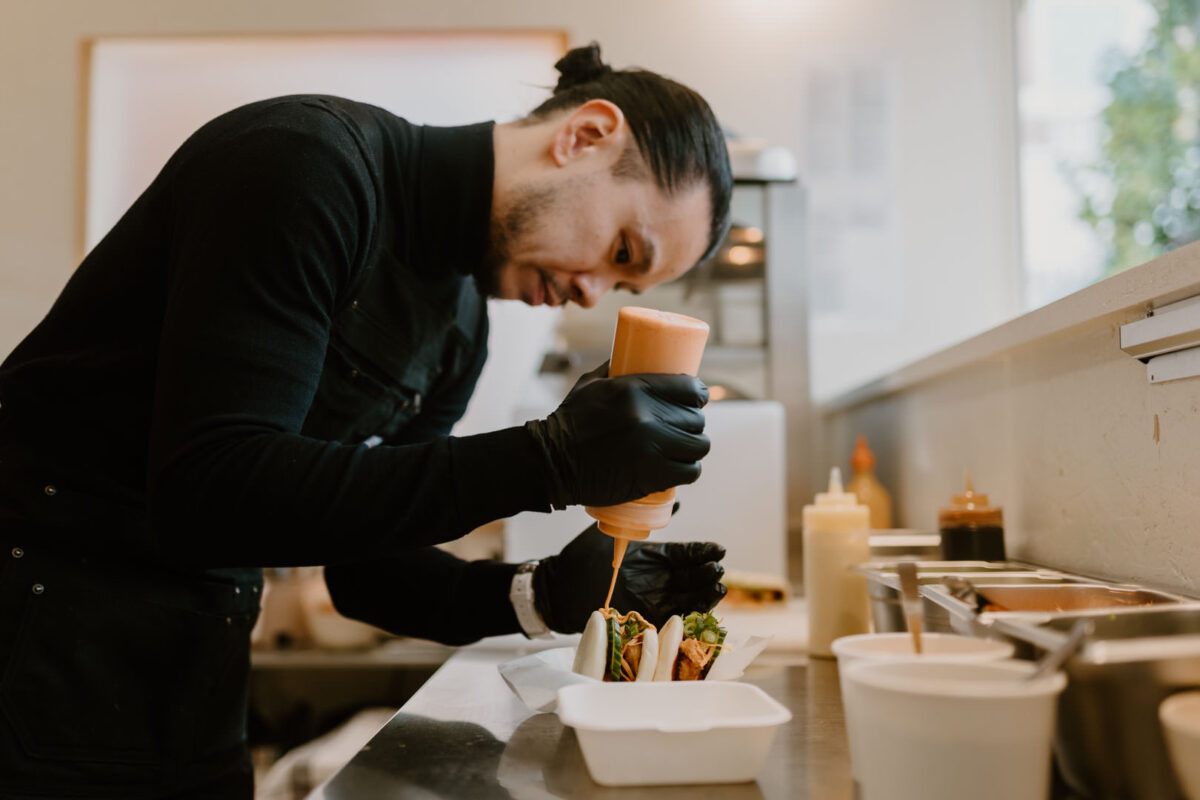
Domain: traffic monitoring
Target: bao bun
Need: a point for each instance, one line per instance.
(592, 655)
(688, 647)
(668, 648)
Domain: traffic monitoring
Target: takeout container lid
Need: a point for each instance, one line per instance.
(640, 734)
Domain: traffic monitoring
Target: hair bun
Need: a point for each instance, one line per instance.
(580, 65)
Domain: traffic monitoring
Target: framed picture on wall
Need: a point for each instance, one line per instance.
(146, 94)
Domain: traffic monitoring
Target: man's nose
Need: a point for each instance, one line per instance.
(589, 287)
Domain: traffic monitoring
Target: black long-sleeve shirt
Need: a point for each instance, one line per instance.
(298, 278)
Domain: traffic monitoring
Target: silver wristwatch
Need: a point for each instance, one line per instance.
(520, 594)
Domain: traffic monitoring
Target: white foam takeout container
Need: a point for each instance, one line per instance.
(641, 734)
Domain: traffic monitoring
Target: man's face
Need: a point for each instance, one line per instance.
(576, 235)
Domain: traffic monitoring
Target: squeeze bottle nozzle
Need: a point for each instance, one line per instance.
(862, 459)
(835, 495)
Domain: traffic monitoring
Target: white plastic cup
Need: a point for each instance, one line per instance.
(899, 647)
(945, 729)
(1180, 717)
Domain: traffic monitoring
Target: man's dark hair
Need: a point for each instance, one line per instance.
(675, 130)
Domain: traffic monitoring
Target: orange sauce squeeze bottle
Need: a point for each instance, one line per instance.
(647, 341)
(867, 488)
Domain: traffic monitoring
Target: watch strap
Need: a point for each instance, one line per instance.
(520, 594)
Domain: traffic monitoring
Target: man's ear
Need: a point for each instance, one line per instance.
(591, 128)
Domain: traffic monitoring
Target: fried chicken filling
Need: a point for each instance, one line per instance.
(693, 658)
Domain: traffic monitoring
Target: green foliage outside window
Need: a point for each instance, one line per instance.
(1143, 196)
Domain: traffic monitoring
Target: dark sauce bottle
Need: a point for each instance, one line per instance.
(971, 529)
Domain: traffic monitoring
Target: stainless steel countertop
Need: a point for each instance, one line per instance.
(464, 734)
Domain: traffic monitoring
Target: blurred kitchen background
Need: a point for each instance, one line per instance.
(929, 193)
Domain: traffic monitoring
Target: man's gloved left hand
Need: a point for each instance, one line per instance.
(657, 579)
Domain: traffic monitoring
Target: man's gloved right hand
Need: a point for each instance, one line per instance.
(617, 439)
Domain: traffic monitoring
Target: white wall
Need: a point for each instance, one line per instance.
(955, 173)
(1096, 469)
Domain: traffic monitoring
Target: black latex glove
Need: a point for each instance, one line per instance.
(617, 439)
(657, 579)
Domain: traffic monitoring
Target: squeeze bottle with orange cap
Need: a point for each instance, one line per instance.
(972, 530)
(647, 341)
(836, 540)
(867, 488)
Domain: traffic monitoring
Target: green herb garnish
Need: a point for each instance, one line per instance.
(703, 626)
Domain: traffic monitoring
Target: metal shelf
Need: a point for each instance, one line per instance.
(388, 654)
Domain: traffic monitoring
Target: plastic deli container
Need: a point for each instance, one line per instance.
(641, 734)
(851, 650)
(925, 729)
(1180, 716)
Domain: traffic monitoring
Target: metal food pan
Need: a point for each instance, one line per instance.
(1044, 603)
(883, 587)
(1071, 597)
(1109, 742)
(887, 612)
(952, 566)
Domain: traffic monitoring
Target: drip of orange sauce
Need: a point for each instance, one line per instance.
(619, 547)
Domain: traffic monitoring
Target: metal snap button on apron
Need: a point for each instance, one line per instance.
(50, 490)
(38, 588)
(17, 552)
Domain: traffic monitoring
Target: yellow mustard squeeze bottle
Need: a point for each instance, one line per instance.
(836, 540)
(867, 488)
(647, 341)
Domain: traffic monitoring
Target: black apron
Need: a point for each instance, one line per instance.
(124, 677)
(120, 680)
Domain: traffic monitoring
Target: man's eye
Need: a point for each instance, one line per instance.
(622, 256)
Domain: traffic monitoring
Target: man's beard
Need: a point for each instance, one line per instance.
(528, 203)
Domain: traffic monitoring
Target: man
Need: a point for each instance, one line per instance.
(260, 366)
